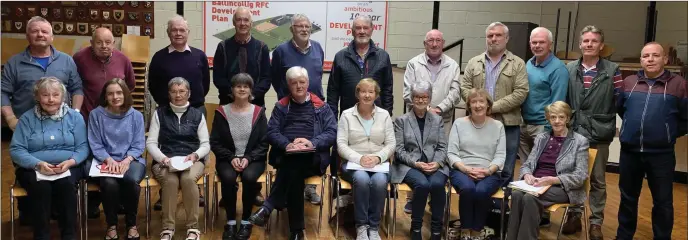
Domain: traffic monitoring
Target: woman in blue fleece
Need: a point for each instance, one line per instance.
(116, 137)
(50, 139)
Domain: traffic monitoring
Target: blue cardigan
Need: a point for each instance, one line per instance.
(49, 140)
(116, 136)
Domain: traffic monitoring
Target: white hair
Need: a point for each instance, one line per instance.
(296, 72)
(177, 19)
(495, 24)
(179, 81)
(542, 29)
(421, 87)
(364, 18)
(241, 9)
(299, 17)
(37, 19)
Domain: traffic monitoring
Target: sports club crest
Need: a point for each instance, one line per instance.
(82, 28)
(118, 29)
(93, 27)
(19, 11)
(57, 13)
(31, 11)
(94, 14)
(109, 3)
(69, 27)
(107, 25)
(147, 4)
(7, 25)
(106, 15)
(69, 13)
(58, 27)
(133, 16)
(147, 31)
(118, 15)
(81, 13)
(44, 12)
(5, 11)
(148, 17)
(19, 25)
(121, 3)
(134, 4)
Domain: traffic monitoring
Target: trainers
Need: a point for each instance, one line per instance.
(374, 234)
(344, 200)
(408, 208)
(596, 232)
(362, 232)
(572, 224)
(311, 196)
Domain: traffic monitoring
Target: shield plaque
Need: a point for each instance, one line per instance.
(94, 14)
(118, 29)
(82, 28)
(44, 12)
(107, 25)
(69, 27)
(57, 13)
(58, 27)
(31, 11)
(118, 15)
(133, 16)
(93, 27)
(106, 15)
(69, 13)
(19, 25)
(148, 17)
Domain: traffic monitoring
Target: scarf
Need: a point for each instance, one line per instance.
(43, 115)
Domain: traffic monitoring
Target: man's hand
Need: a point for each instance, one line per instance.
(304, 142)
(46, 168)
(436, 110)
(421, 165)
(431, 167)
(530, 180)
(64, 166)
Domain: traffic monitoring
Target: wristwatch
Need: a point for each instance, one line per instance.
(77, 110)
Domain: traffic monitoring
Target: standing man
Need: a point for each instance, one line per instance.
(594, 83)
(40, 59)
(242, 54)
(98, 64)
(179, 60)
(654, 109)
(303, 52)
(503, 75)
(548, 81)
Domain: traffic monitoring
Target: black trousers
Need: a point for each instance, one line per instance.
(41, 195)
(124, 191)
(659, 169)
(228, 179)
(289, 184)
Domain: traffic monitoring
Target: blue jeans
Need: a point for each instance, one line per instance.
(424, 185)
(512, 140)
(370, 191)
(474, 203)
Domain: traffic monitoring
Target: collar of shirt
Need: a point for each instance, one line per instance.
(308, 98)
(93, 53)
(438, 62)
(171, 49)
(585, 69)
(544, 63)
(304, 51)
(240, 41)
(487, 58)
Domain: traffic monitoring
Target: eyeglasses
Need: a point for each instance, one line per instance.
(434, 40)
(423, 98)
(182, 92)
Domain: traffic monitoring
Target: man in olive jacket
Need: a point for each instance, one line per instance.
(594, 83)
(503, 75)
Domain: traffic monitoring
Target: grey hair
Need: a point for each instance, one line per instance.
(177, 19)
(495, 24)
(422, 86)
(299, 17)
(238, 79)
(47, 83)
(36, 19)
(593, 29)
(296, 72)
(364, 18)
(242, 8)
(542, 29)
(179, 81)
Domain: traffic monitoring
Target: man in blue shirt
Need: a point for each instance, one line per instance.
(547, 83)
(303, 52)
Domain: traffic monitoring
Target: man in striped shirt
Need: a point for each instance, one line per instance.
(594, 84)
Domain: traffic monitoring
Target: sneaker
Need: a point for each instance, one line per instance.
(311, 196)
(344, 200)
(572, 224)
(362, 232)
(374, 234)
(408, 208)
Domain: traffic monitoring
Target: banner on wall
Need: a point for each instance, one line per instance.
(331, 23)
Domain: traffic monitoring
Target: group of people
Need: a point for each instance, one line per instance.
(546, 112)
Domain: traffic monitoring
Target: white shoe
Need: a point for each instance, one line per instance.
(362, 232)
(374, 234)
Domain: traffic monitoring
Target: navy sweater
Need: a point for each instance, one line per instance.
(286, 55)
(192, 66)
(226, 65)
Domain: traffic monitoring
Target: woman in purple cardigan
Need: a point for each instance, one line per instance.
(116, 136)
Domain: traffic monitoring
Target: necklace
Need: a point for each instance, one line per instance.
(472, 123)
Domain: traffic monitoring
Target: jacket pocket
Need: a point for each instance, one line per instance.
(668, 133)
(602, 126)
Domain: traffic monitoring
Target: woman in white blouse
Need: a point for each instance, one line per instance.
(365, 137)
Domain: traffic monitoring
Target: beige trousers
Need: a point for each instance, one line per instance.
(527, 139)
(170, 182)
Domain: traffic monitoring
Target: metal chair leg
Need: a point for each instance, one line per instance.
(336, 202)
(322, 195)
(12, 212)
(388, 215)
(79, 201)
(148, 207)
(447, 212)
(394, 211)
(215, 210)
(268, 185)
(206, 206)
(585, 222)
(501, 214)
(84, 188)
(329, 207)
(561, 228)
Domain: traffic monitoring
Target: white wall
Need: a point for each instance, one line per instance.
(672, 24)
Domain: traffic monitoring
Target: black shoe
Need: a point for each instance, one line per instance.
(201, 201)
(436, 236)
(244, 232)
(221, 203)
(296, 235)
(260, 217)
(158, 205)
(416, 234)
(94, 213)
(229, 233)
(545, 222)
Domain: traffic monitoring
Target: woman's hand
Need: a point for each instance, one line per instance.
(236, 164)
(124, 165)
(192, 157)
(45, 168)
(244, 163)
(545, 181)
(530, 180)
(111, 166)
(367, 161)
(64, 166)
(165, 162)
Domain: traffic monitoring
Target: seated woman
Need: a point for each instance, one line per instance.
(50, 139)
(420, 161)
(365, 137)
(178, 130)
(117, 139)
(476, 151)
(239, 142)
(559, 159)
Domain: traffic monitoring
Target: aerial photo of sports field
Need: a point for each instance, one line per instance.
(273, 31)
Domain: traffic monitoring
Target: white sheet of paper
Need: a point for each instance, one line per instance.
(41, 177)
(95, 171)
(381, 168)
(177, 164)
(525, 187)
(134, 30)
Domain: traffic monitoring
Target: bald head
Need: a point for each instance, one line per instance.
(434, 34)
(653, 59)
(242, 21)
(102, 43)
